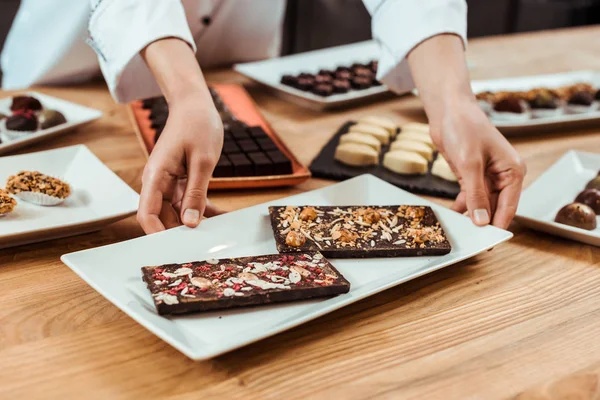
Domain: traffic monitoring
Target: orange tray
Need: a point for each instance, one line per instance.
(243, 107)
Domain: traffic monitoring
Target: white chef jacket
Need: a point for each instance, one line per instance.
(46, 43)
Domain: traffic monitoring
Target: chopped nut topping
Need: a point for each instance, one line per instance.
(347, 236)
(308, 214)
(7, 203)
(295, 239)
(371, 216)
(33, 181)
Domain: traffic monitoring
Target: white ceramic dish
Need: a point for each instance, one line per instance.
(555, 188)
(99, 197)
(269, 73)
(114, 270)
(524, 83)
(75, 114)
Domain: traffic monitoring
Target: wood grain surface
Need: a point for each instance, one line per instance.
(521, 321)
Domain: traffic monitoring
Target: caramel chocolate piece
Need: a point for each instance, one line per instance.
(245, 281)
(591, 198)
(577, 215)
(51, 118)
(509, 104)
(361, 231)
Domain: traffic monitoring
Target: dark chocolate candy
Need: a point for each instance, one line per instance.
(247, 145)
(327, 72)
(22, 122)
(363, 71)
(25, 103)
(357, 65)
(342, 68)
(239, 133)
(581, 98)
(509, 104)
(242, 166)
(281, 164)
(594, 183)
(266, 144)
(345, 74)
(544, 99)
(323, 79)
(591, 198)
(257, 132)
(359, 231)
(323, 89)
(305, 83)
(340, 86)
(224, 168)
(577, 215)
(262, 164)
(231, 147)
(289, 80)
(245, 281)
(51, 118)
(361, 82)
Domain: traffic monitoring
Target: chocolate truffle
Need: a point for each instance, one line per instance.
(327, 72)
(24, 103)
(594, 183)
(323, 89)
(509, 104)
(289, 80)
(323, 79)
(591, 198)
(23, 122)
(305, 83)
(50, 118)
(361, 82)
(581, 98)
(340, 86)
(577, 215)
(344, 74)
(544, 99)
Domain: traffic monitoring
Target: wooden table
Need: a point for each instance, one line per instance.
(523, 317)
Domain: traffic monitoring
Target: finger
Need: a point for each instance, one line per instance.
(151, 201)
(508, 202)
(478, 203)
(194, 198)
(460, 204)
(212, 210)
(168, 216)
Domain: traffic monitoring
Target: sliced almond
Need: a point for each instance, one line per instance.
(202, 283)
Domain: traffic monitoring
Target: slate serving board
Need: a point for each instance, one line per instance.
(325, 166)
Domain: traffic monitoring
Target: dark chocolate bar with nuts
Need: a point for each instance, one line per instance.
(359, 231)
(245, 281)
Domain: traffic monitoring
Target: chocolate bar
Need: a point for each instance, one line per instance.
(245, 281)
(359, 231)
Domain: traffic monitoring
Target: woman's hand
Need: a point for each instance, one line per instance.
(489, 169)
(175, 180)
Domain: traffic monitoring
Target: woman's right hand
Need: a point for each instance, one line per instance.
(175, 179)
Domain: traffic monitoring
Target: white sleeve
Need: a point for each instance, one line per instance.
(120, 29)
(400, 25)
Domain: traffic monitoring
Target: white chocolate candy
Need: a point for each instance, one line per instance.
(383, 122)
(404, 162)
(414, 147)
(356, 154)
(441, 168)
(377, 132)
(362, 138)
(415, 126)
(417, 136)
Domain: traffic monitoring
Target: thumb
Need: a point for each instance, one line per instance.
(477, 199)
(194, 198)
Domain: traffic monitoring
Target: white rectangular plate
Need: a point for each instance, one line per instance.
(114, 270)
(555, 188)
(98, 197)
(269, 73)
(551, 81)
(75, 114)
